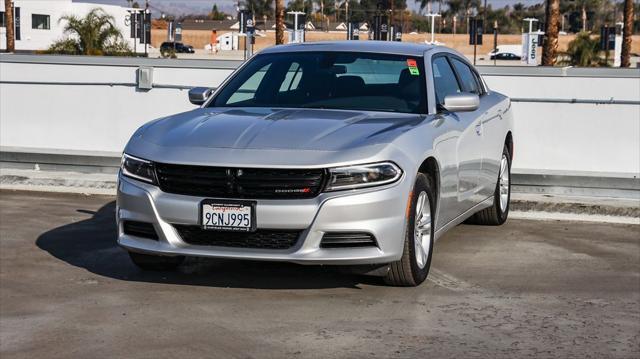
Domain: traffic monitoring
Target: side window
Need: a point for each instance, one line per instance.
(40, 22)
(444, 79)
(467, 77)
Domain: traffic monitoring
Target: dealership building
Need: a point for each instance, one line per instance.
(37, 23)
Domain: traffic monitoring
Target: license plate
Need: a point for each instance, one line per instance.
(228, 216)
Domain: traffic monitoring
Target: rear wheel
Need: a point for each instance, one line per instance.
(151, 262)
(413, 268)
(498, 213)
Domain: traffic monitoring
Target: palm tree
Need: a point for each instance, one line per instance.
(626, 34)
(259, 8)
(551, 33)
(583, 51)
(453, 10)
(584, 6)
(11, 40)
(94, 34)
(469, 5)
(279, 22)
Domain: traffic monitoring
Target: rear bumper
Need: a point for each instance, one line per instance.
(379, 211)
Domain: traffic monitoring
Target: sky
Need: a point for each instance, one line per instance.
(180, 7)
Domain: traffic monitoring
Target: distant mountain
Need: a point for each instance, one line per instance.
(184, 7)
(175, 7)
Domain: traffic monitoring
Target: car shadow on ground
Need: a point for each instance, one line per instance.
(91, 244)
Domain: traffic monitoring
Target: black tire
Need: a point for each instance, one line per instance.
(494, 215)
(406, 272)
(156, 263)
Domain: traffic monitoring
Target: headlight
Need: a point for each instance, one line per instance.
(138, 168)
(375, 174)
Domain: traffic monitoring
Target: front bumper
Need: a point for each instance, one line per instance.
(379, 211)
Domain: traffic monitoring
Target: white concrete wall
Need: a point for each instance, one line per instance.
(550, 138)
(560, 137)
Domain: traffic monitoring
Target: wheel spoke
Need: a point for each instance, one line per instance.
(422, 229)
(419, 205)
(423, 221)
(503, 183)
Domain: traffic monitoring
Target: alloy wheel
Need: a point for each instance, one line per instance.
(504, 183)
(422, 230)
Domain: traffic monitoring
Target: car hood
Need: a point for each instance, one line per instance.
(284, 129)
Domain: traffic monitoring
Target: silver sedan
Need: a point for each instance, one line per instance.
(358, 154)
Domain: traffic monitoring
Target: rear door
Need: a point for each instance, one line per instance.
(493, 134)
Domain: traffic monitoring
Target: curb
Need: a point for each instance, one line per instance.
(575, 207)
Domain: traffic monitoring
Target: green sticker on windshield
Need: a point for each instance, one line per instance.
(412, 64)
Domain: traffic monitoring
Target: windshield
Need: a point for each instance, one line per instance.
(332, 80)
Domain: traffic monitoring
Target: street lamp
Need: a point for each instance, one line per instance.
(433, 23)
(530, 21)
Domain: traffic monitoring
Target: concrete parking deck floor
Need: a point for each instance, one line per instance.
(526, 289)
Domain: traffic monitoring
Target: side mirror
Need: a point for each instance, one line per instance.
(199, 95)
(461, 102)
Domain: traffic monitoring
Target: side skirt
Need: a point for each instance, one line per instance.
(461, 218)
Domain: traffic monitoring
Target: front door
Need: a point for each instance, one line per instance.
(466, 142)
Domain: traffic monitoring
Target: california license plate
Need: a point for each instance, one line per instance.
(228, 216)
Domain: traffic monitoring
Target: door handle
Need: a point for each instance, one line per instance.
(478, 129)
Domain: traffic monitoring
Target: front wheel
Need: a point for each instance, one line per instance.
(413, 268)
(498, 213)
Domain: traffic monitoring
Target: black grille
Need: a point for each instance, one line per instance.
(254, 183)
(344, 240)
(262, 238)
(139, 229)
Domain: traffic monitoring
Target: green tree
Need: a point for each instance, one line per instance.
(216, 14)
(260, 8)
(461, 9)
(500, 18)
(582, 8)
(583, 51)
(471, 7)
(93, 34)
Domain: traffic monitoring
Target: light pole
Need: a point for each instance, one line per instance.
(144, 28)
(433, 23)
(530, 21)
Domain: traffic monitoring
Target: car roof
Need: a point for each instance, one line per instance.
(381, 47)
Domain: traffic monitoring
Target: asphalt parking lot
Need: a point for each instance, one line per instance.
(527, 289)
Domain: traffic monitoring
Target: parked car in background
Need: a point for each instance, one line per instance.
(505, 56)
(178, 47)
(510, 49)
(354, 153)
